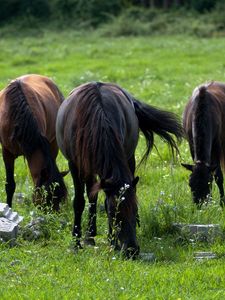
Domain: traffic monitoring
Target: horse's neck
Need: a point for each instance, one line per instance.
(37, 163)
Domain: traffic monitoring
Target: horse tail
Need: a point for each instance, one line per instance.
(26, 131)
(201, 100)
(98, 146)
(202, 92)
(163, 123)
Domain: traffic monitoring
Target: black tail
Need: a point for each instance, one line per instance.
(26, 131)
(98, 147)
(163, 123)
(202, 92)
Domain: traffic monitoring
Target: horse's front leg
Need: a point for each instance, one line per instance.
(112, 232)
(91, 230)
(78, 203)
(219, 181)
(10, 184)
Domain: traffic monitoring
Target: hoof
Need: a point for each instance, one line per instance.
(115, 245)
(76, 244)
(89, 241)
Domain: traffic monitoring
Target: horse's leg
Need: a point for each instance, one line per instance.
(112, 238)
(219, 181)
(78, 202)
(10, 185)
(91, 230)
(132, 166)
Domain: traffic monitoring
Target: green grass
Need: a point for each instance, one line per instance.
(161, 71)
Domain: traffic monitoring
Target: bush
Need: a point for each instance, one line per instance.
(115, 17)
(137, 21)
(93, 12)
(24, 8)
(203, 5)
(39, 9)
(9, 9)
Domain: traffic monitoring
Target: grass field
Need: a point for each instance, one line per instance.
(161, 71)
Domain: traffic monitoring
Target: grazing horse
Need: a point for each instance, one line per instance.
(97, 130)
(204, 125)
(28, 110)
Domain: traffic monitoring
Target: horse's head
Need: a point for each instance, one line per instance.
(200, 181)
(122, 211)
(50, 188)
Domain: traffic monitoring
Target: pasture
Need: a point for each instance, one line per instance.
(161, 71)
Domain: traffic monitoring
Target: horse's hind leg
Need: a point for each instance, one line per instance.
(219, 182)
(10, 185)
(78, 202)
(91, 230)
(132, 166)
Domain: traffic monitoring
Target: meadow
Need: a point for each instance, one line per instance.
(161, 71)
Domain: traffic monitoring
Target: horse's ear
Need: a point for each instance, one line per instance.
(188, 167)
(135, 181)
(64, 173)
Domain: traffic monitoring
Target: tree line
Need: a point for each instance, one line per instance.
(95, 10)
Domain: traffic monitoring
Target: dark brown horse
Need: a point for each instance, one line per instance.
(204, 125)
(28, 110)
(97, 129)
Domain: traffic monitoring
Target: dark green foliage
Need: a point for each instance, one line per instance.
(93, 12)
(39, 9)
(8, 10)
(139, 21)
(203, 5)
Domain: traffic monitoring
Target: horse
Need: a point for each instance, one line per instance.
(204, 126)
(97, 130)
(28, 110)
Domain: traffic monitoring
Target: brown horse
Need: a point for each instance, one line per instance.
(204, 125)
(28, 110)
(97, 129)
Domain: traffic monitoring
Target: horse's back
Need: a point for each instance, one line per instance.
(120, 109)
(44, 98)
(44, 87)
(215, 102)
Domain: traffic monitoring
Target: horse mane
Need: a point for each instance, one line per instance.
(26, 131)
